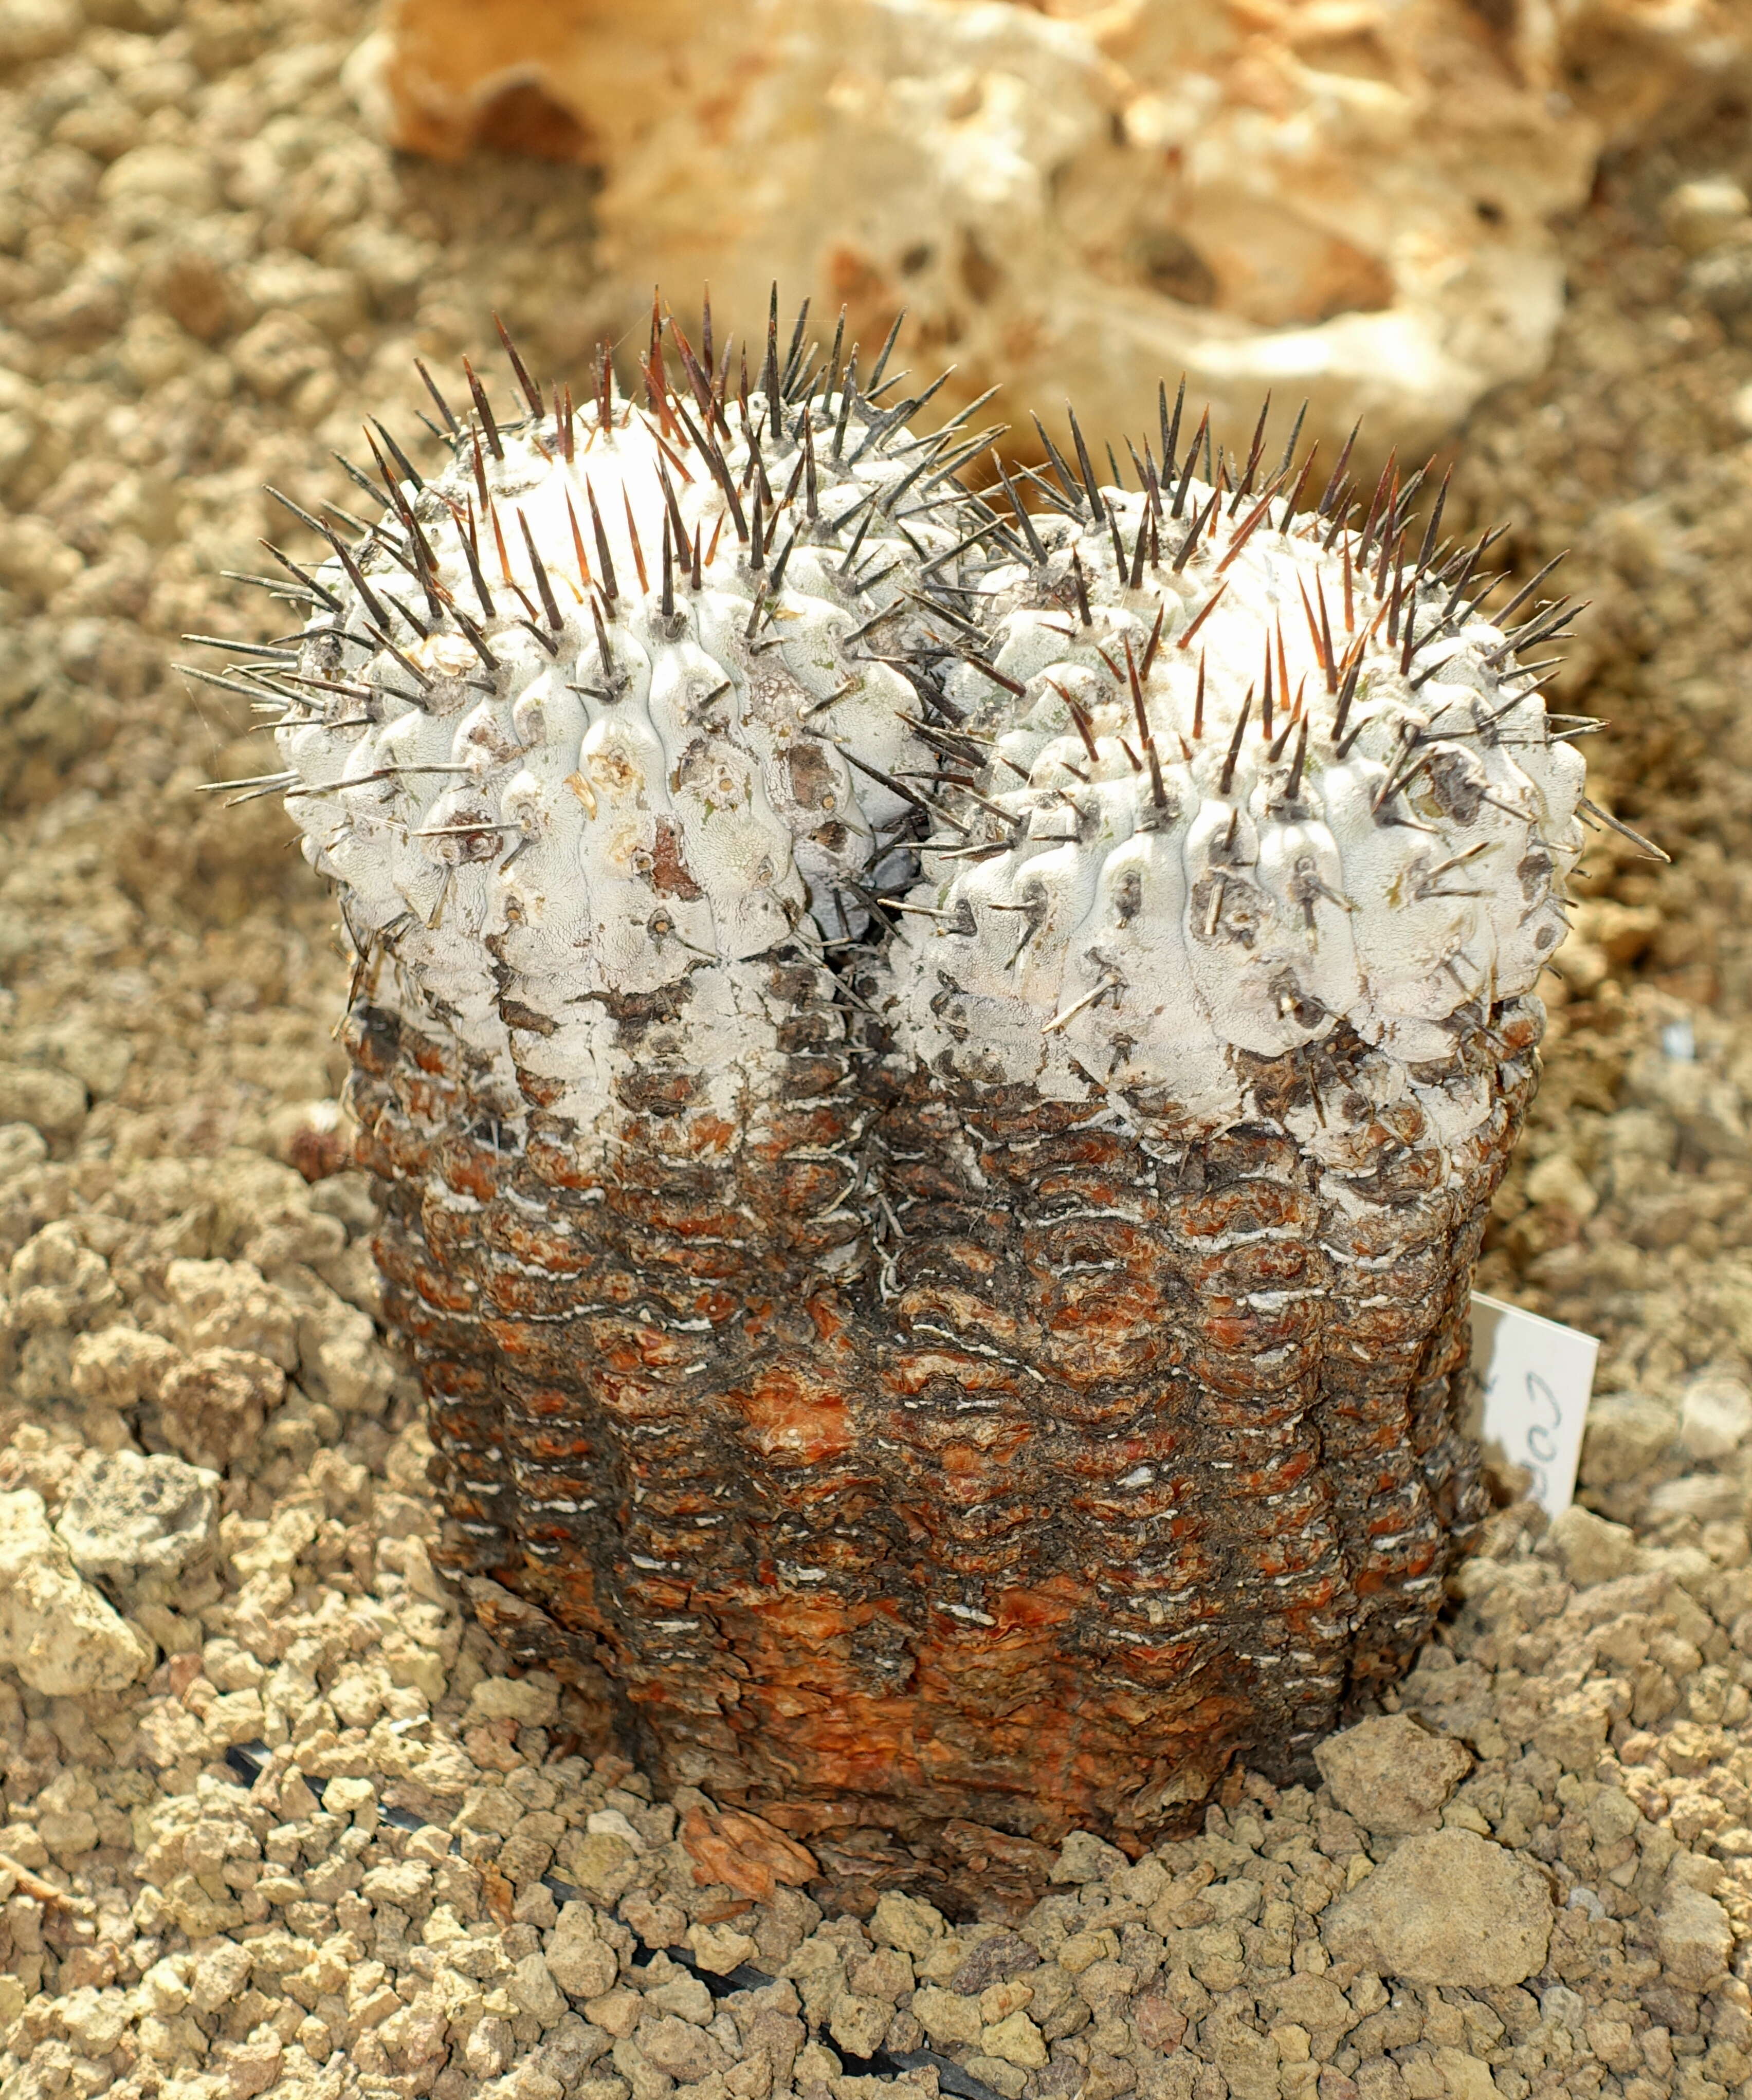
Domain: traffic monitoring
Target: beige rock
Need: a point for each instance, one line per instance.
(1451, 1907)
(1558, 1179)
(137, 1520)
(1015, 2041)
(37, 564)
(347, 1364)
(212, 1406)
(1466, 2077)
(280, 352)
(903, 1921)
(1574, 1730)
(1085, 1857)
(857, 2024)
(1708, 1498)
(37, 29)
(56, 1281)
(56, 1630)
(1694, 1936)
(22, 1146)
(1624, 1433)
(616, 2012)
(946, 2016)
(531, 1985)
(583, 1965)
(688, 2054)
(1715, 1418)
(52, 1102)
(532, 1701)
(719, 1948)
(161, 175)
(1353, 208)
(251, 2067)
(600, 1863)
(1392, 1775)
(1592, 1549)
(230, 1305)
(1701, 215)
(122, 1367)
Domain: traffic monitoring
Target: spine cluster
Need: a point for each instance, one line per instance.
(938, 1061)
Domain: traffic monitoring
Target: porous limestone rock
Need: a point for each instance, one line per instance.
(1347, 203)
(141, 1522)
(1624, 1432)
(1695, 1937)
(1592, 1549)
(1451, 1907)
(56, 1630)
(1715, 1418)
(1392, 1775)
(212, 1406)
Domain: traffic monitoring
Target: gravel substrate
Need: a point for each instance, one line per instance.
(417, 1873)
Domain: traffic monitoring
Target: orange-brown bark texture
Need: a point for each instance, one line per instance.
(1133, 1458)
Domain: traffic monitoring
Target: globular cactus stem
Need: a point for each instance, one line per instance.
(938, 1070)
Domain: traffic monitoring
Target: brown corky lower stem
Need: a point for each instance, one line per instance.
(1124, 1458)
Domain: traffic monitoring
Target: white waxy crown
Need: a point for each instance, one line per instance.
(1230, 793)
(1156, 784)
(571, 725)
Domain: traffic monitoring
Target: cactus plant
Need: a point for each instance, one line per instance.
(937, 1063)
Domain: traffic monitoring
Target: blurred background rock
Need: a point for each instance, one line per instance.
(1346, 199)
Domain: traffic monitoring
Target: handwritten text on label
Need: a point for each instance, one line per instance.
(1531, 1379)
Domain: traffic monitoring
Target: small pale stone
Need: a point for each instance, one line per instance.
(1015, 2041)
(1085, 1857)
(21, 1147)
(1701, 214)
(1466, 2077)
(946, 2016)
(1715, 1418)
(1706, 1497)
(857, 2024)
(1392, 1775)
(1694, 1936)
(719, 1948)
(122, 1367)
(1558, 1179)
(164, 175)
(600, 1863)
(1574, 1731)
(51, 1102)
(532, 1701)
(230, 1306)
(1592, 1549)
(533, 1987)
(1449, 1907)
(687, 2053)
(579, 1961)
(684, 1996)
(1624, 1433)
(905, 1922)
(616, 2012)
(56, 1630)
(129, 1517)
(37, 29)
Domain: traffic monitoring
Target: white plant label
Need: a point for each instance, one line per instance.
(1531, 1380)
